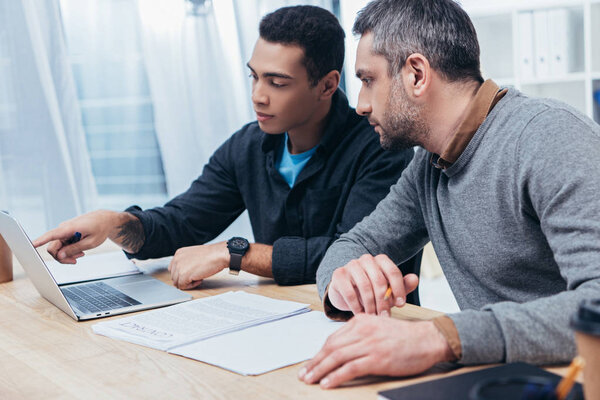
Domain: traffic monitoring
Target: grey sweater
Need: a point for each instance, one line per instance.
(515, 223)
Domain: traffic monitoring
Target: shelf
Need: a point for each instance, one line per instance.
(594, 19)
(570, 92)
(509, 43)
(504, 82)
(477, 8)
(487, 28)
(574, 77)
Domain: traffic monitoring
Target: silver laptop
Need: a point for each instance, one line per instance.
(93, 299)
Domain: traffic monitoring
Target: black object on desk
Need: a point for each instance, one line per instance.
(459, 386)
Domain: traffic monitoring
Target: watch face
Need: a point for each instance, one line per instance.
(237, 243)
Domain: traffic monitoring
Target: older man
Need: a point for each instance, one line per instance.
(505, 187)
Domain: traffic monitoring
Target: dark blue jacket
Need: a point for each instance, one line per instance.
(342, 183)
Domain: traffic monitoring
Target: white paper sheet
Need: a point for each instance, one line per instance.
(266, 347)
(94, 266)
(183, 323)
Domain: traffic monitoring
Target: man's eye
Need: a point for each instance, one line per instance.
(277, 85)
(252, 76)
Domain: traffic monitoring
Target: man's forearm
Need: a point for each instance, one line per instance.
(128, 232)
(259, 260)
(535, 331)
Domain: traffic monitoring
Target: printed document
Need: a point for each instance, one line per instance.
(274, 345)
(199, 319)
(270, 333)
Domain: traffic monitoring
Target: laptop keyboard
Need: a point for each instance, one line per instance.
(96, 297)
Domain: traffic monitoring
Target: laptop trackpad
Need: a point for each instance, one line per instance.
(144, 288)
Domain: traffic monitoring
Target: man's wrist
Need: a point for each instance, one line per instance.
(126, 230)
(442, 350)
(116, 220)
(224, 256)
(237, 247)
(446, 326)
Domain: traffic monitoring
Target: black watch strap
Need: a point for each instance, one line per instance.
(235, 263)
(238, 246)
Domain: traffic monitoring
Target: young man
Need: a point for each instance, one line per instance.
(505, 187)
(306, 171)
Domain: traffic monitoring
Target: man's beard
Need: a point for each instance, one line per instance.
(402, 125)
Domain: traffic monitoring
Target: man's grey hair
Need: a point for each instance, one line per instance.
(440, 30)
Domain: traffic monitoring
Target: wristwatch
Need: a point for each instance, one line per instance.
(238, 246)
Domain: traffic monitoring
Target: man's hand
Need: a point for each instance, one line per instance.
(360, 285)
(371, 345)
(94, 227)
(192, 264)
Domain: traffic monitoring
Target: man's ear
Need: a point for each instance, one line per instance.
(328, 84)
(416, 74)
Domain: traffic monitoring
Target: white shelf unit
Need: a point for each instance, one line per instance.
(506, 39)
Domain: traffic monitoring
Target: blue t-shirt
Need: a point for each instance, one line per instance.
(290, 165)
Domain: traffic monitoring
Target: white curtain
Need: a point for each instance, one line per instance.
(45, 173)
(193, 86)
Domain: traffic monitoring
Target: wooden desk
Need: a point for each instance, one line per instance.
(46, 354)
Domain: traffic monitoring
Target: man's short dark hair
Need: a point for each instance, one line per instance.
(315, 30)
(438, 29)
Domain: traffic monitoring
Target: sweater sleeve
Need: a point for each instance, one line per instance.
(557, 167)
(296, 259)
(196, 216)
(396, 228)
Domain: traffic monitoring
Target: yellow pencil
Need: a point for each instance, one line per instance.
(388, 293)
(566, 383)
